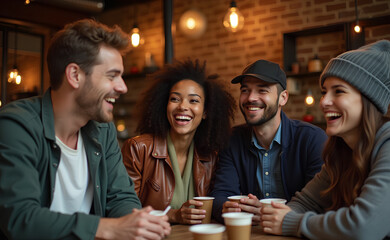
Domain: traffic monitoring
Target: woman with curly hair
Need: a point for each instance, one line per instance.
(184, 121)
(349, 198)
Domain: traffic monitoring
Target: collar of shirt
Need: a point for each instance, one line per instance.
(276, 139)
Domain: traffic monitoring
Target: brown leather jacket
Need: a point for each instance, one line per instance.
(149, 166)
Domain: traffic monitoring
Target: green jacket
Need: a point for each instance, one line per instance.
(29, 157)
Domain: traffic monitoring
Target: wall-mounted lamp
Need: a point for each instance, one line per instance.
(357, 28)
(309, 99)
(193, 23)
(233, 20)
(14, 76)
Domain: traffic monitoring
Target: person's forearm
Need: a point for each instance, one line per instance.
(172, 216)
(105, 229)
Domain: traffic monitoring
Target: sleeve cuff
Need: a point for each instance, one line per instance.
(291, 224)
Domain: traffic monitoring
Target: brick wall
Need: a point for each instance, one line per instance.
(262, 36)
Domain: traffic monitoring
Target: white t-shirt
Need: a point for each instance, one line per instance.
(73, 189)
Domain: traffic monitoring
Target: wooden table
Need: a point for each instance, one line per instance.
(181, 232)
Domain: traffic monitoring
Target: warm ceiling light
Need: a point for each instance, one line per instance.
(357, 28)
(120, 126)
(193, 23)
(135, 36)
(233, 20)
(14, 76)
(309, 100)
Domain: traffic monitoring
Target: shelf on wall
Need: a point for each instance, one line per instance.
(303, 74)
(289, 41)
(352, 40)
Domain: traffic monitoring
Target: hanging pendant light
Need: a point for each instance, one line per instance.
(309, 99)
(193, 23)
(14, 76)
(233, 20)
(135, 35)
(357, 28)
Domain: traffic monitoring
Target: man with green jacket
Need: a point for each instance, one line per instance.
(61, 171)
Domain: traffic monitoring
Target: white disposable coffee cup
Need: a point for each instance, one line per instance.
(266, 202)
(238, 225)
(207, 231)
(236, 198)
(157, 213)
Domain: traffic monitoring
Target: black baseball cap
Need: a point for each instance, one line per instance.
(264, 70)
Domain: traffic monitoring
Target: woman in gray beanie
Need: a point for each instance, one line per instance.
(349, 198)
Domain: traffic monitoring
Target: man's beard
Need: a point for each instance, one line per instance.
(92, 105)
(270, 112)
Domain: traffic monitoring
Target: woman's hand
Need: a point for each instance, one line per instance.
(187, 215)
(272, 217)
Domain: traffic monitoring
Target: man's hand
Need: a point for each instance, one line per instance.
(272, 218)
(250, 205)
(187, 215)
(139, 224)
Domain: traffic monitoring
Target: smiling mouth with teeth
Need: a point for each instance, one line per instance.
(332, 115)
(110, 100)
(183, 118)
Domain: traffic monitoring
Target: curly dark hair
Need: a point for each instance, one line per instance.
(213, 132)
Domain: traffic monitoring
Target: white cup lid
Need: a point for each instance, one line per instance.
(207, 228)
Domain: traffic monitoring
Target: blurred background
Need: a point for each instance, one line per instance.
(300, 35)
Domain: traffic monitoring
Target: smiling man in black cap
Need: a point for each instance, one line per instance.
(271, 156)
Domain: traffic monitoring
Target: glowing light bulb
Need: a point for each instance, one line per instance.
(18, 79)
(233, 20)
(14, 76)
(191, 23)
(120, 126)
(357, 28)
(135, 37)
(309, 100)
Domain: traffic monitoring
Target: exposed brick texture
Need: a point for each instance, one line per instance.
(261, 38)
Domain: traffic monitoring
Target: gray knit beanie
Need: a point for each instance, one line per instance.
(367, 69)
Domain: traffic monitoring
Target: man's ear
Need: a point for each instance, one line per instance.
(73, 75)
(283, 97)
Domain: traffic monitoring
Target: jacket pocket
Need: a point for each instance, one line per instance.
(154, 185)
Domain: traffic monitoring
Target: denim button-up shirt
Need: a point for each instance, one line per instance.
(268, 169)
